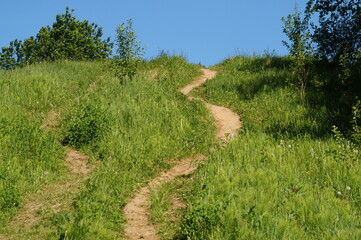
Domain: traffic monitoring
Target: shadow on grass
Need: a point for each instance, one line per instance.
(261, 75)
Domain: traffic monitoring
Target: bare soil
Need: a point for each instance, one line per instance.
(53, 198)
(51, 121)
(138, 225)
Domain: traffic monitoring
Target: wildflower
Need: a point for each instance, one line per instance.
(348, 188)
(339, 193)
(289, 146)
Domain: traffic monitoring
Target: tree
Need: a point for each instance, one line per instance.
(67, 38)
(129, 52)
(338, 32)
(300, 47)
(129, 48)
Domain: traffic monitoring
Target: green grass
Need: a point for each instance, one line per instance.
(129, 130)
(167, 207)
(285, 176)
(151, 122)
(30, 156)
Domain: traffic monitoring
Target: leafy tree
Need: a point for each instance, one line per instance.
(331, 48)
(297, 30)
(67, 38)
(129, 52)
(338, 32)
(7, 59)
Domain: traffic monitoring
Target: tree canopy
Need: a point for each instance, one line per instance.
(67, 38)
(338, 31)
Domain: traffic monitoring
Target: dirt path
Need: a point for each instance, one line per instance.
(54, 197)
(138, 225)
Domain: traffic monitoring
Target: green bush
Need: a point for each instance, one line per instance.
(83, 124)
(199, 220)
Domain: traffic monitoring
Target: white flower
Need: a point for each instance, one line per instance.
(289, 146)
(339, 193)
(348, 188)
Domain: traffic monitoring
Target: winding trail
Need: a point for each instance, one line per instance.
(138, 225)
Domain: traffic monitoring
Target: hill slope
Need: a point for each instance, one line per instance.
(286, 176)
(126, 130)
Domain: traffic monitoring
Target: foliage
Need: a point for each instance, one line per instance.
(298, 32)
(68, 38)
(356, 122)
(129, 51)
(84, 123)
(327, 54)
(338, 30)
(128, 47)
(199, 221)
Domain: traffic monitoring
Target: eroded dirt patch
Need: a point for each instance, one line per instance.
(50, 200)
(55, 197)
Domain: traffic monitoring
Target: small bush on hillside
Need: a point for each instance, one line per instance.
(129, 51)
(199, 220)
(84, 124)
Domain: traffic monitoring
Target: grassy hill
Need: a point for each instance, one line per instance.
(286, 176)
(127, 130)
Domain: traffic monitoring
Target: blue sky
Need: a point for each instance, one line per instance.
(204, 31)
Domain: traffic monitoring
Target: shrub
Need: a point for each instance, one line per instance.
(129, 51)
(199, 220)
(84, 124)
